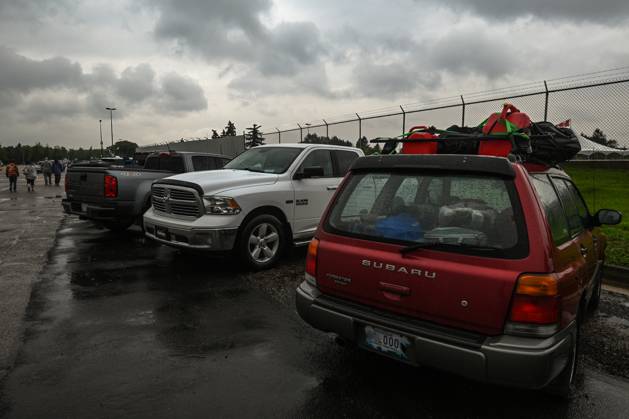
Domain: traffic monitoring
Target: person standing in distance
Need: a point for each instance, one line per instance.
(57, 168)
(46, 168)
(30, 173)
(12, 173)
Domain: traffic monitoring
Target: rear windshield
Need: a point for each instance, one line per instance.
(165, 162)
(450, 212)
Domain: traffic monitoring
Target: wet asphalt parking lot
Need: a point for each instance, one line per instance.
(120, 327)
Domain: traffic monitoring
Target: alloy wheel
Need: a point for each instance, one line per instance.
(264, 242)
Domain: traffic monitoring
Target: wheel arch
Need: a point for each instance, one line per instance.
(270, 210)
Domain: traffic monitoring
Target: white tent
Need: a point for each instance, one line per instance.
(590, 148)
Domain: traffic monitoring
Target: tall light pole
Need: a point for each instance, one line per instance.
(111, 120)
(100, 125)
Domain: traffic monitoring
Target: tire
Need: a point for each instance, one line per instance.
(261, 242)
(563, 384)
(117, 226)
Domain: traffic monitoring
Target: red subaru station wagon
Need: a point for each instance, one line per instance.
(478, 265)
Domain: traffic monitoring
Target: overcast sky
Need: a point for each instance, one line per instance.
(177, 68)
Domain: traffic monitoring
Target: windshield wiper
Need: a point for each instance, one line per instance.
(250, 169)
(420, 245)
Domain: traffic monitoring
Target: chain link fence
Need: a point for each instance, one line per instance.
(595, 101)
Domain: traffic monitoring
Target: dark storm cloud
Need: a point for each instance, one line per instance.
(40, 109)
(580, 10)
(21, 74)
(23, 81)
(221, 29)
(136, 83)
(310, 80)
(465, 52)
(181, 94)
(234, 31)
(392, 80)
(411, 66)
(33, 10)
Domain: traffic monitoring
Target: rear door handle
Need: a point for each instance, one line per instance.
(395, 289)
(331, 188)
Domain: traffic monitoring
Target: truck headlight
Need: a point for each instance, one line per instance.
(221, 205)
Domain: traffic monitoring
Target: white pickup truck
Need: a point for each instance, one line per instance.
(264, 199)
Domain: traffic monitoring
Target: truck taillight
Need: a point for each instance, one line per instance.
(311, 262)
(536, 306)
(111, 186)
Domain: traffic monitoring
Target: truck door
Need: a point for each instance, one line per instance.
(313, 194)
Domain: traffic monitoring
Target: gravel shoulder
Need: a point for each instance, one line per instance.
(605, 342)
(28, 223)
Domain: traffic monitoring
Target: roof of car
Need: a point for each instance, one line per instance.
(196, 153)
(445, 162)
(307, 145)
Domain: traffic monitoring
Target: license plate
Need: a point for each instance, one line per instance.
(387, 342)
(161, 233)
(83, 207)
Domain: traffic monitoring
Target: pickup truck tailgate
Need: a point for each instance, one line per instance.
(85, 184)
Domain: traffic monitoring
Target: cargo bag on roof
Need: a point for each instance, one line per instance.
(551, 144)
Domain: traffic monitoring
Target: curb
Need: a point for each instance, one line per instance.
(616, 275)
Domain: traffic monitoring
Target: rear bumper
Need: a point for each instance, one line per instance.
(506, 360)
(99, 212)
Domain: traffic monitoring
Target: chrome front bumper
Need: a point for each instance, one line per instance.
(506, 360)
(192, 238)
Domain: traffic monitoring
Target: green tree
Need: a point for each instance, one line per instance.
(599, 137)
(123, 148)
(215, 134)
(230, 129)
(315, 139)
(254, 138)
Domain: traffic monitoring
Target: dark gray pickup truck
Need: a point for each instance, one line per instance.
(117, 196)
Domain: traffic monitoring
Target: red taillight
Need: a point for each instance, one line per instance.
(111, 186)
(311, 258)
(66, 182)
(536, 300)
(535, 310)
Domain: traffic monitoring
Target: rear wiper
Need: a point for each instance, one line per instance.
(425, 245)
(415, 246)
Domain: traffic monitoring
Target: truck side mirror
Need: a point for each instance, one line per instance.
(607, 217)
(310, 172)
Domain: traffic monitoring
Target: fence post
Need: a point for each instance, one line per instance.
(462, 111)
(327, 129)
(546, 101)
(360, 127)
(279, 136)
(301, 133)
(403, 120)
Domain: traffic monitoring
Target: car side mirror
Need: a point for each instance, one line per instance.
(607, 217)
(310, 172)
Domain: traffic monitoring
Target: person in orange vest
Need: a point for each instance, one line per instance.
(12, 173)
